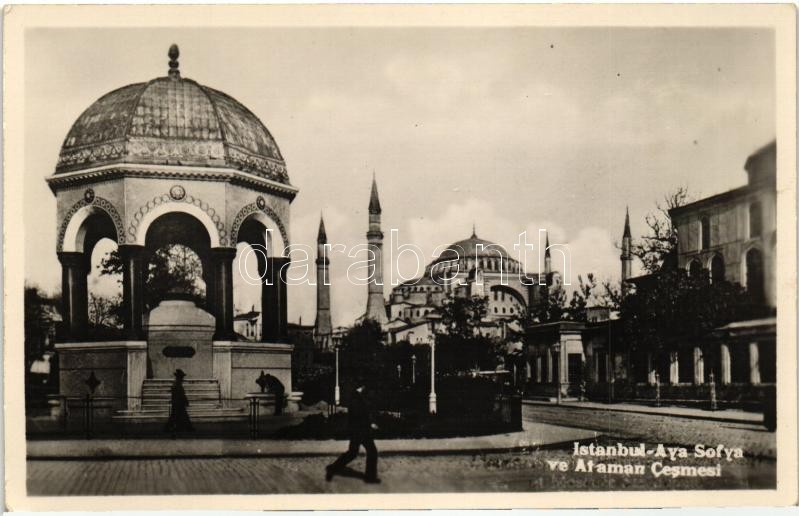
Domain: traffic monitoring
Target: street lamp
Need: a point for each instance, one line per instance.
(413, 369)
(337, 390)
(433, 408)
(556, 348)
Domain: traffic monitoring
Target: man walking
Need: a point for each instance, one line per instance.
(359, 427)
(178, 413)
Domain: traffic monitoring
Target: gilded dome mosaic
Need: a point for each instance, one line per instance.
(171, 121)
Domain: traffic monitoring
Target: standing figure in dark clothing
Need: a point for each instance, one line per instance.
(359, 427)
(178, 414)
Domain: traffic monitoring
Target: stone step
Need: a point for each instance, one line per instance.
(202, 392)
(191, 410)
(165, 406)
(160, 415)
(170, 381)
(185, 386)
(205, 402)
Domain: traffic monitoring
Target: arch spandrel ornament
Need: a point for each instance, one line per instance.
(256, 207)
(91, 200)
(177, 200)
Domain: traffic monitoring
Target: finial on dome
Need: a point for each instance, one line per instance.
(174, 53)
(474, 230)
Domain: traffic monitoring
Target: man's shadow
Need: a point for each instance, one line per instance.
(351, 473)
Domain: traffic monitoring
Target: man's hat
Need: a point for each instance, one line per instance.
(179, 373)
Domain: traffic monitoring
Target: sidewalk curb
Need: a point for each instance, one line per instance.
(331, 453)
(612, 408)
(165, 449)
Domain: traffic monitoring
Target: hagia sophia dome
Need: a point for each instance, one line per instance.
(171, 120)
(488, 255)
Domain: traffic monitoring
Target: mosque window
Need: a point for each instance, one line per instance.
(694, 268)
(503, 309)
(705, 232)
(755, 220)
(717, 269)
(495, 310)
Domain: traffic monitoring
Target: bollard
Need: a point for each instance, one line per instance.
(657, 390)
(713, 402)
(254, 409)
(88, 418)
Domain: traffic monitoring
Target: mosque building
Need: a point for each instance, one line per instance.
(472, 267)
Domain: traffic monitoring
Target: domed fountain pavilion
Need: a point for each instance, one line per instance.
(171, 161)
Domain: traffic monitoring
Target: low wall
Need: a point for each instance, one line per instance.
(745, 396)
(119, 366)
(238, 364)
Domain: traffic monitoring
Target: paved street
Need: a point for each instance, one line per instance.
(752, 438)
(522, 471)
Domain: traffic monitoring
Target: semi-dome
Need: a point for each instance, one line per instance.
(171, 121)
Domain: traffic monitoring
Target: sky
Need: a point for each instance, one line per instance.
(509, 129)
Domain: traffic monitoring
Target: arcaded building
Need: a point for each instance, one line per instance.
(733, 236)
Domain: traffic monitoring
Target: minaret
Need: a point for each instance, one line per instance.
(323, 329)
(375, 304)
(626, 250)
(547, 259)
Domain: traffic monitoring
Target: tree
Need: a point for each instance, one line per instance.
(105, 311)
(460, 346)
(361, 352)
(611, 295)
(174, 268)
(661, 243)
(37, 324)
(552, 308)
(672, 310)
(585, 294)
(462, 316)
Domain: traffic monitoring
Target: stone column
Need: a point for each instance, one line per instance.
(210, 285)
(274, 309)
(754, 363)
(136, 372)
(222, 259)
(74, 294)
(674, 367)
(539, 368)
(650, 368)
(133, 290)
(726, 371)
(699, 366)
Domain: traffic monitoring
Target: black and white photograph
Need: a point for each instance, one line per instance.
(400, 258)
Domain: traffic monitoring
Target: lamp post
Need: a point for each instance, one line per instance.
(556, 349)
(337, 390)
(432, 398)
(413, 369)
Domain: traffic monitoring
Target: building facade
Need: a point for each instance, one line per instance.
(732, 236)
